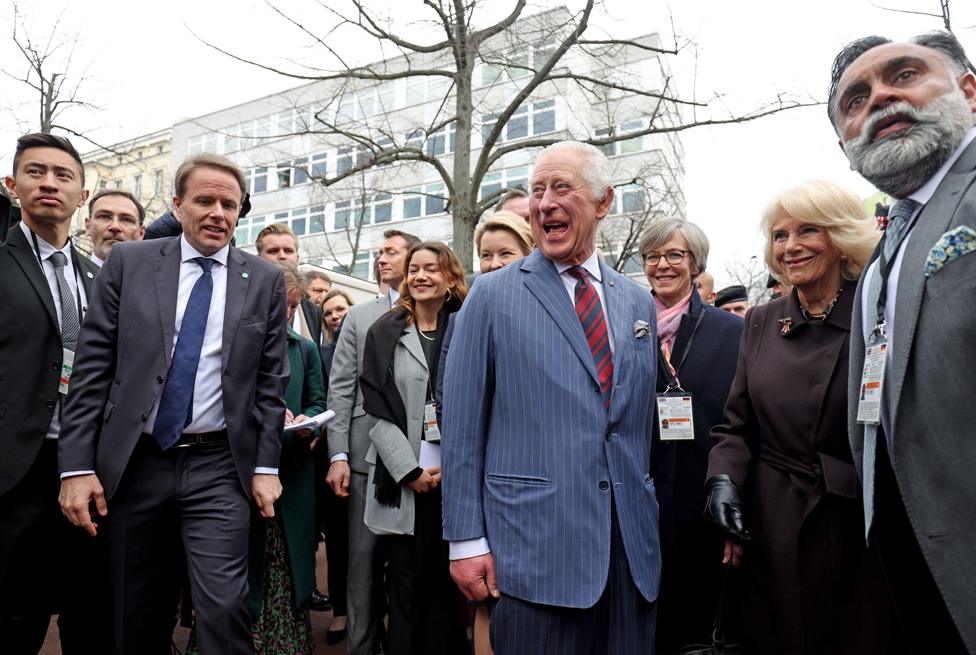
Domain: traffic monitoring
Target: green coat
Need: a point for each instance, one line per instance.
(305, 394)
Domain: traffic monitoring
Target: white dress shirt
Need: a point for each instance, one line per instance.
(475, 547)
(96, 260)
(208, 399)
(74, 285)
(869, 315)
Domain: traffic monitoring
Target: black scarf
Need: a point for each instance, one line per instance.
(381, 398)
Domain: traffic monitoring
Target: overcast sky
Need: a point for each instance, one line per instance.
(148, 70)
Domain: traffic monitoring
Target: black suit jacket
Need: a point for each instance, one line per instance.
(30, 354)
(124, 354)
(313, 316)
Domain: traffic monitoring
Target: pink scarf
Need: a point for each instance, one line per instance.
(668, 322)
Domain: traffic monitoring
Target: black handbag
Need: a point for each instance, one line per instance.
(718, 646)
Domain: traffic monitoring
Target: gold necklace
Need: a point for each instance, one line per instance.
(829, 307)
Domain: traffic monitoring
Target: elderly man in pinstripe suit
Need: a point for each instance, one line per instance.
(549, 398)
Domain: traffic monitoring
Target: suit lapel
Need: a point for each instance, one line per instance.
(26, 258)
(617, 318)
(238, 281)
(544, 283)
(167, 274)
(89, 272)
(411, 342)
(932, 223)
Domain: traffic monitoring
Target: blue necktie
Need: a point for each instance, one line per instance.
(898, 218)
(176, 403)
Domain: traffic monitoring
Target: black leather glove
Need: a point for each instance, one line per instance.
(724, 507)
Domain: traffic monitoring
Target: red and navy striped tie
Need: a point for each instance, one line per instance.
(590, 313)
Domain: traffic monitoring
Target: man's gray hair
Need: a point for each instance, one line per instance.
(660, 232)
(596, 167)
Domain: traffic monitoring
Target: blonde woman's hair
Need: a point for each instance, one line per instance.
(506, 220)
(836, 209)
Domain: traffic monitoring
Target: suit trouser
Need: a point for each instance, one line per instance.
(334, 520)
(621, 622)
(365, 582)
(181, 499)
(925, 622)
(49, 566)
(425, 604)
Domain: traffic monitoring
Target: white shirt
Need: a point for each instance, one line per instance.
(869, 315)
(96, 260)
(74, 285)
(208, 399)
(474, 547)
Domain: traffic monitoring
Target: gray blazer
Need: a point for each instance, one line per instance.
(349, 430)
(930, 393)
(400, 455)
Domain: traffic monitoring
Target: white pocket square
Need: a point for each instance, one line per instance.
(952, 245)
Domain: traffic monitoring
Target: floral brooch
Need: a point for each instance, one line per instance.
(785, 324)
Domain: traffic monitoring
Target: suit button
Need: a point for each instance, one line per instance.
(604, 485)
(50, 404)
(596, 388)
(144, 417)
(55, 366)
(159, 379)
(608, 436)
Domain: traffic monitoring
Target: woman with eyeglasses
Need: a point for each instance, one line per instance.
(696, 360)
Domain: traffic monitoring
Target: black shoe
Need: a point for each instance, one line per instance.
(333, 637)
(319, 602)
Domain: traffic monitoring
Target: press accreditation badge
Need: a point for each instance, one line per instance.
(872, 382)
(674, 417)
(67, 365)
(432, 433)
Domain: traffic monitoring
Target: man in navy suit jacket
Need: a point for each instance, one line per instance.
(549, 398)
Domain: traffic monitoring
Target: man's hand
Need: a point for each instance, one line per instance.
(266, 489)
(733, 552)
(475, 577)
(427, 481)
(338, 478)
(303, 434)
(77, 493)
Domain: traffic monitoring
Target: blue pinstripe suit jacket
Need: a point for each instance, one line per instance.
(530, 455)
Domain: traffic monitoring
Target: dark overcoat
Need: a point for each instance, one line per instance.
(690, 549)
(811, 585)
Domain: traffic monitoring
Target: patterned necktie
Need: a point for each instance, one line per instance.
(176, 404)
(590, 313)
(898, 218)
(70, 325)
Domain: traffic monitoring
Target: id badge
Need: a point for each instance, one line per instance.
(674, 417)
(872, 381)
(67, 365)
(432, 433)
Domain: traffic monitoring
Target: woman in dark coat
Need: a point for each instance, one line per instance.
(701, 343)
(811, 585)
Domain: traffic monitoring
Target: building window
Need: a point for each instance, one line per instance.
(629, 199)
(625, 146)
(299, 221)
(102, 185)
(202, 143)
(320, 165)
(247, 230)
(137, 186)
(412, 202)
(158, 183)
(316, 219)
(118, 184)
(382, 208)
(257, 179)
(352, 157)
(528, 120)
(284, 175)
(510, 178)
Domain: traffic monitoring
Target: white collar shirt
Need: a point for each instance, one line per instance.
(591, 266)
(869, 314)
(208, 400)
(44, 251)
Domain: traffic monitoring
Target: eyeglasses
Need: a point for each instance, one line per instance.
(125, 221)
(672, 257)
